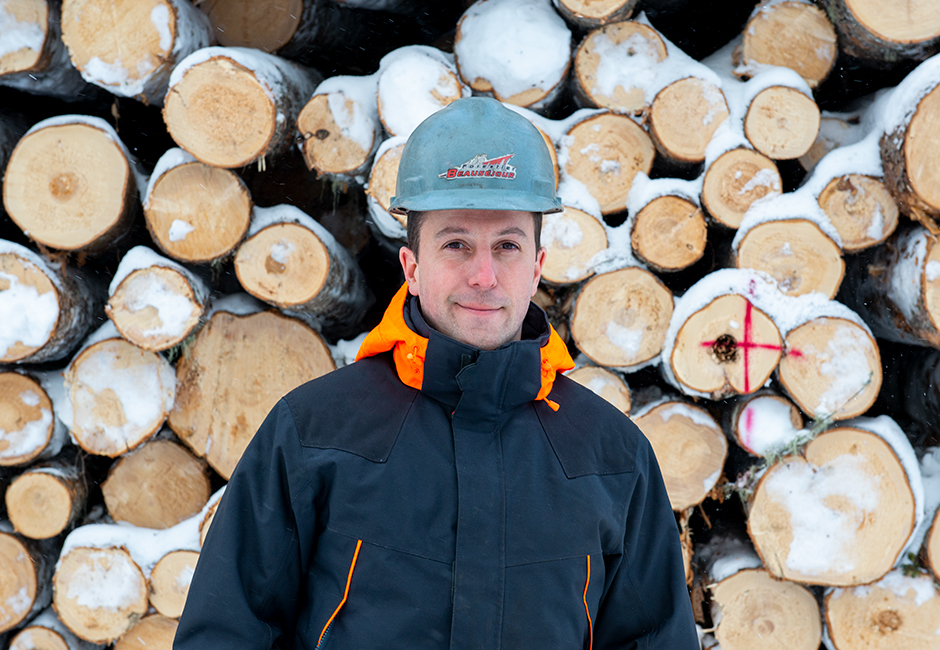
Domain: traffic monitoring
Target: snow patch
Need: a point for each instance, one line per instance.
(160, 17)
(105, 581)
(19, 35)
(179, 229)
(628, 340)
(696, 415)
(29, 317)
(557, 229)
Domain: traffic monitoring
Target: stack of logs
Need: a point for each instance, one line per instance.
(731, 264)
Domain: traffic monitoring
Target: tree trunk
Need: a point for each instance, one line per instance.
(571, 239)
(130, 47)
(910, 31)
(683, 118)
(30, 429)
(804, 513)
(48, 307)
(861, 209)
(620, 318)
(152, 632)
(606, 384)
(71, 184)
(170, 580)
(229, 107)
(766, 424)
(195, 212)
(236, 370)
(669, 233)
(793, 34)
(26, 567)
(689, 446)
(588, 14)
(782, 122)
(292, 262)
(47, 499)
(155, 303)
(735, 180)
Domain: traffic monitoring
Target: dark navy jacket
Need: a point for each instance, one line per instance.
(368, 514)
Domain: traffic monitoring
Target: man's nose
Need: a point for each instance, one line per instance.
(483, 272)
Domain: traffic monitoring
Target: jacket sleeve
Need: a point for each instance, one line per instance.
(249, 578)
(646, 604)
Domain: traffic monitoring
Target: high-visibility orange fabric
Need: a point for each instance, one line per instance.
(409, 348)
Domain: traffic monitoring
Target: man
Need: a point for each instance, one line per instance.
(450, 489)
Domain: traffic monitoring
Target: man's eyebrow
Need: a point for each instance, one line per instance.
(457, 230)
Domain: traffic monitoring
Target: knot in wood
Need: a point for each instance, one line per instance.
(725, 349)
(887, 621)
(322, 134)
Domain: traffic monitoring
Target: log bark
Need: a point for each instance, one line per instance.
(794, 34)
(99, 593)
(669, 233)
(157, 485)
(155, 303)
(796, 253)
(238, 367)
(30, 429)
(41, 64)
(46, 499)
(49, 307)
(292, 262)
(766, 423)
(620, 318)
(862, 210)
(152, 632)
(170, 580)
(531, 73)
(571, 239)
(71, 184)
(804, 514)
(604, 383)
(832, 368)
(604, 59)
(898, 611)
(26, 568)
(605, 152)
(690, 448)
(229, 107)
(195, 212)
(589, 14)
(381, 189)
(735, 180)
(683, 118)
(129, 47)
(118, 394)
(782, 122)
(911, 32)
(46, 632)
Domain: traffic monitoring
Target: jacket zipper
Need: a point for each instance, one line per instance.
(329, 623)
(587, 610)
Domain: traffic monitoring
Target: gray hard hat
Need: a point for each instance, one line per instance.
(475, 154)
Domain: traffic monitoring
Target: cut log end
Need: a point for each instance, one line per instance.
(669, 233)
(40, 504)
(729, 347)
(327, 147)
(918, 22)
(206, 523)
(933, 546)
(571, 239)
(690, 448)
(804, 517)
(198, 213)
(832, 368)
(27, 287)
(170, 580)
(383, 178)
(153, 632)
(734, 181)
(36, 637)
(604, 383)
(428, 82)
(592, 13)
(32, 15)
(19, 587)
(620, 318)
(861, 209)
(764, 424)
(782, 123)
(684, 117)
(921, 160)
(285, 264)
(797, 253)
(26, 419)
(265, 26)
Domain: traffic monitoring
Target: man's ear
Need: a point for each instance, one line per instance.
(409, 264)
(539, 261)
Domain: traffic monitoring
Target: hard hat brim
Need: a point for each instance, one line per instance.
(476, 199)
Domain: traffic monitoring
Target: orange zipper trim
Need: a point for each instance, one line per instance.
(346, 593)
(587, 582)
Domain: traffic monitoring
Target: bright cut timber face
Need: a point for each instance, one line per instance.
(31, 12)
(605, 153)
(621, 317)
(690, 448)
(383, 177)
(782, 123)
(35, 637)
(861, 208)
(684, 116)
(153, 632)
(913, 21)
(108, 39)
(593, 8)
(759, 612)
(25, 411)
(170, 580)
(898, 611)
(19, 275)
(727, 348)
(133, 311)
(797, 253)
(220, 113)
(792, 34)
(839, 515)
(198, 213)
(921, 155)
(735, 180)
(18, 588)
(265, 26)
(66, 185)
(933, 545)
(325, 147)
(669, 233)
(832, 368)
(284, 264)
(571, 238)
(604, 383)
(616, 40)
(930, 284)
(38, 505)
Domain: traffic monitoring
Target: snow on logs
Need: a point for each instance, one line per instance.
(27, 567)
(571, 239)
(154, 302)
(71, 184)
(265, 94)
(532, 72)
(30, 431)
(47, 632)
(766, 424)
(129, 47)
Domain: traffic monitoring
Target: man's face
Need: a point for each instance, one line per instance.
(478, 270)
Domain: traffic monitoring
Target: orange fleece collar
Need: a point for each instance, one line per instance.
(409, 349)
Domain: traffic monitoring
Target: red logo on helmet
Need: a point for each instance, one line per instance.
(480, 166)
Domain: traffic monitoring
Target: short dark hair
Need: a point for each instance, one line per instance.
(415, 217)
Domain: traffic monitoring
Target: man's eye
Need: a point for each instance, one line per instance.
(508, 245)
(453, 244)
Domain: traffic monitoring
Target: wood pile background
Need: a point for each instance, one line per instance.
(194, 222)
